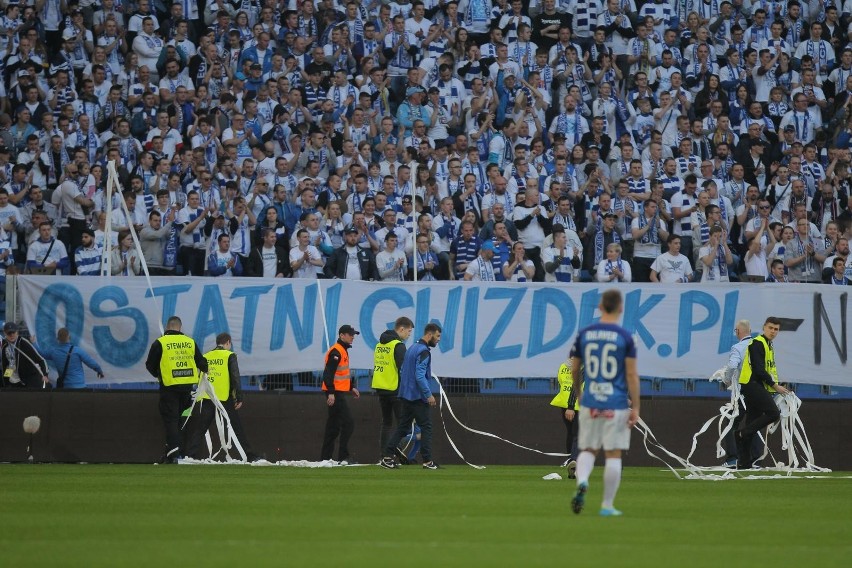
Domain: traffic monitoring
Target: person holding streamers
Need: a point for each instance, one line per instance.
(224, 375)
(758, 378)
(606, 355)
(175, 360)
(568, 403)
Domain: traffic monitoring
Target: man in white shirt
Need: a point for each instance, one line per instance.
(305, 259)
(482, 269)
(648, 231)
(671, 266)
(148, 46)
(529, 219)
(801, 119)
(174, 79)
(763, 81)
(716, 257)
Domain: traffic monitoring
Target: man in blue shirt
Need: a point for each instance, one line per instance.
(606, 354)
(68, 360)
(415, 394)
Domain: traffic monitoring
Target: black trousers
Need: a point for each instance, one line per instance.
(202, 418)
(571, 432)
(760, 413)
(627, 250)
(339, 423)
(72, 237)
(420, 412)
(391, 409)
(192, 260)
(756, 447)
(534, 254)
(686, 247)
(155, 271)
(173, 401)
(642, 268)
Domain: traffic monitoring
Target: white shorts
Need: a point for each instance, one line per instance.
(605, 429)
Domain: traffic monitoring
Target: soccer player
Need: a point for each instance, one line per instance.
(606, 353)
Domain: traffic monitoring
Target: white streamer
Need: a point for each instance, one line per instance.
(445, 400)
(112, 180)
(792, 434)
(227, 437)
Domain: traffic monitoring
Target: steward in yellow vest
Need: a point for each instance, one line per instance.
(336, 381)
(387, 361)
(224, 375)
(758, 378)
(175, 360)
(223, 372)
(568, 403)
(566, 397)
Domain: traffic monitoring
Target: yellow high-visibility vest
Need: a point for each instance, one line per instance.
(566, 385)
(177, 364)
(769, 363)
(217, 373)
(385, 373)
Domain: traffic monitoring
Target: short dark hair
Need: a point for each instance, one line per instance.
(611, 301)
(773, 320)
(431, 327)
(403, 323)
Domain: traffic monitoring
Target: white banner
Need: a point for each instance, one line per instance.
(498, 330)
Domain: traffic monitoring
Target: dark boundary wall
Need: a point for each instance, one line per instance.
(100, 427)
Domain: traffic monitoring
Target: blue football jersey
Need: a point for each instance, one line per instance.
(603, 348)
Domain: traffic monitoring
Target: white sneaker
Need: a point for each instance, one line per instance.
(572, 469)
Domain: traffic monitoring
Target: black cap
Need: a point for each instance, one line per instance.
(4, 150)
(758, 142)
(406, 199)
(789, 128)
(89, 232)
(10, 327)
(348, 330)
(350, 229)
(609, 214)
(328, 117)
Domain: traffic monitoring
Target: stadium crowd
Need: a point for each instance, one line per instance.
(664, 140)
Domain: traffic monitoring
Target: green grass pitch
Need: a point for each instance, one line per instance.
(153, 516)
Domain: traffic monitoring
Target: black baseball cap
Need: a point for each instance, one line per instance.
(10, 327)
(350, 229)
(347, 329)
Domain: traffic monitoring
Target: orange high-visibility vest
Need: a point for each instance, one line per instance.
(342, 378)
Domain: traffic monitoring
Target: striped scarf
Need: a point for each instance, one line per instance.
(599, 247)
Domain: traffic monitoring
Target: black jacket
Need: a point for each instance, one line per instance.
(152, 363)
(757, 355)
(339, 260)
(254, 266)
(30, 366)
